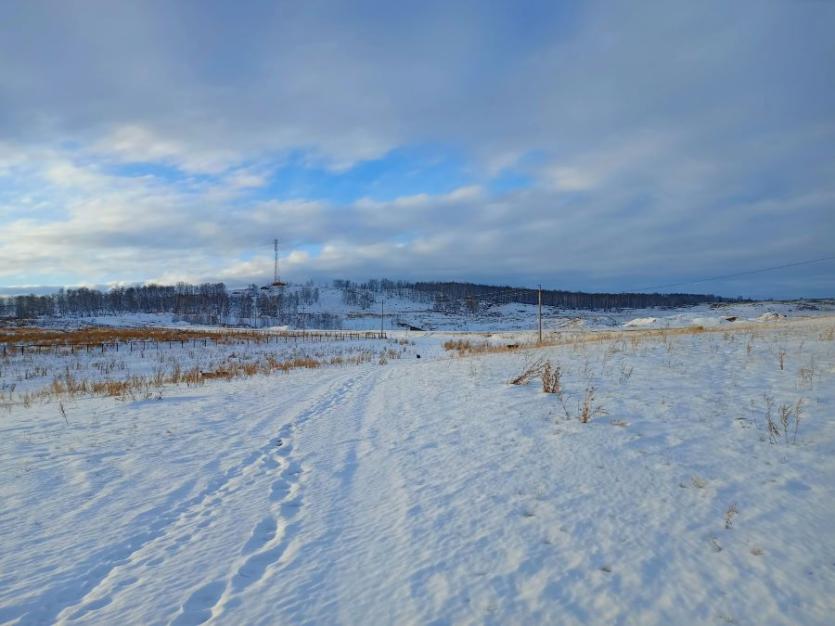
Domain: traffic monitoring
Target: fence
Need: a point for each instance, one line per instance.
(141, 344)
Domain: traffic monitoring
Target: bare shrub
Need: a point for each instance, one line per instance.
(550, 378)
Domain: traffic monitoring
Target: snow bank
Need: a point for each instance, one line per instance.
(709, 322)
(770, 317)
(642, 322)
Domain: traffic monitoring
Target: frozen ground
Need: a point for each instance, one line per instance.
(431, 491)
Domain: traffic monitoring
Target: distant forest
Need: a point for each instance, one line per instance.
(214, 303)
(456, 296)
(208, 303)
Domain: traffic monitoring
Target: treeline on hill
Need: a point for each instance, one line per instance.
(470, 297)
(208, 303)
(214, 303)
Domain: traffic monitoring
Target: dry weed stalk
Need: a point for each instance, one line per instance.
(730, 514)
(625, 373)
(589, 409)
(530, 370)
(551, 378)
(787, 422)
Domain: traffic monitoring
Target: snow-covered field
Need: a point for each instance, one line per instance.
(26, 376)
(432, 491)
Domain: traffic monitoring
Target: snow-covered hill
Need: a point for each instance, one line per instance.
(401, 312)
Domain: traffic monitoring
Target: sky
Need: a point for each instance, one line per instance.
(599, 146)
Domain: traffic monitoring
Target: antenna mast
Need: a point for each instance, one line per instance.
(276, 280)
(275, 264)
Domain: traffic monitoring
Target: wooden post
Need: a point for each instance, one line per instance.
(540, 313)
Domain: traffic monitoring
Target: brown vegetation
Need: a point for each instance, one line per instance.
(97, 335)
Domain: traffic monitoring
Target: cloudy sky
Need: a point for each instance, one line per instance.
(584, 145)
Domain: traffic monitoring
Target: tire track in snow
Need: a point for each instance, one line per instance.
(268, 548)
(170, 526)
(346, 528)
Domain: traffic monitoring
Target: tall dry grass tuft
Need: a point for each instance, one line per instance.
(784, 425)
(589, 409)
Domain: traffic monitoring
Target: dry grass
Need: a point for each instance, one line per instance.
(29, 335)
(466, 347)
(97, 335)
(69, 385)
(635, 337)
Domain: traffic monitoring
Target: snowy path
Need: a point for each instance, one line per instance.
(430, 492)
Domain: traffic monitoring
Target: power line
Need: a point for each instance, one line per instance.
(737, 274)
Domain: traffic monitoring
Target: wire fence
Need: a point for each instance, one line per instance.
(12, 349)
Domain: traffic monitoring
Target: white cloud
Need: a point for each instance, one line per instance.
(662, 141)
(138, 144)
(570, 178)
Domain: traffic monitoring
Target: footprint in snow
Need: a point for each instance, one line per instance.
(198, 608)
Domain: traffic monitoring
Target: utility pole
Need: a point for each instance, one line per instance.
(540, 313)
(382, 315)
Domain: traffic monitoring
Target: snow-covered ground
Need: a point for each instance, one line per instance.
(432, 491)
